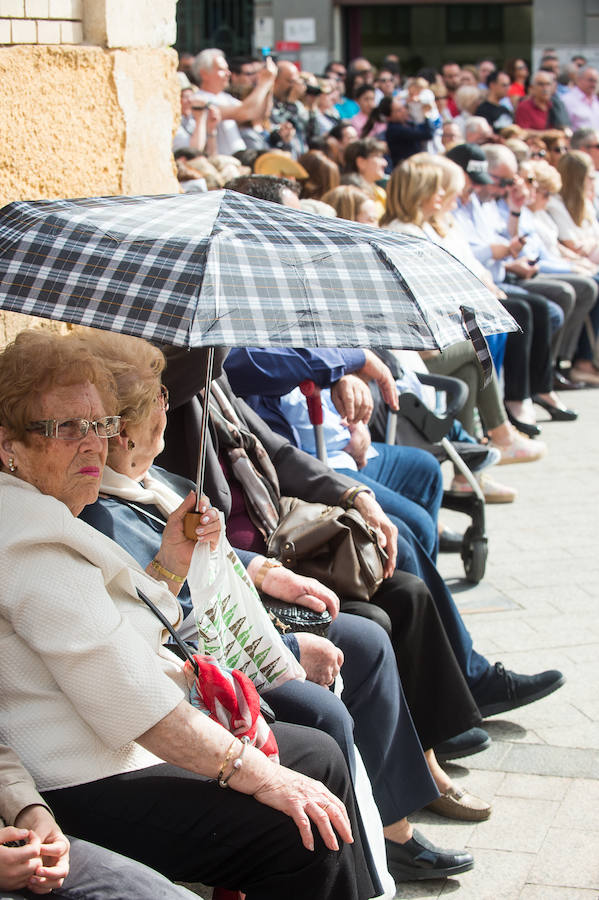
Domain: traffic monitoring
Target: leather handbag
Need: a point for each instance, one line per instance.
(334, 545)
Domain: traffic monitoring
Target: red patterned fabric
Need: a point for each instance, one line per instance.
(230, 698)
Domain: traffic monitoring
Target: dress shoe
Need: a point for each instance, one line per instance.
(527, 428)
(459, 804)
(450, 541)
(556, 412)
(582, 376)
(418, 860)
(501, 690)
(475, 740)
(562, 382)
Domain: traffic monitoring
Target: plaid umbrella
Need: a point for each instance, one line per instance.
(224, 269)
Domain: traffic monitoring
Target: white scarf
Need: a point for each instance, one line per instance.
(150, 492)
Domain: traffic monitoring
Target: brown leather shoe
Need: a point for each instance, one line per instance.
(459, 804)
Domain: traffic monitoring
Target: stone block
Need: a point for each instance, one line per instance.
(130, 23)
(568, 857)
(24, 31)
(561, 761)
(48, 32)
(36, 9)
(580, 806)
(71, 33)
(5, 33)
(534, 787)
(66, 9)
(12, 9)
(534, 818)
(544, 892)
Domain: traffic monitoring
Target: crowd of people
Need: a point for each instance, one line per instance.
(101, 737)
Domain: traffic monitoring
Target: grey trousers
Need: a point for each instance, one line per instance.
(576, 295)
(99, 874)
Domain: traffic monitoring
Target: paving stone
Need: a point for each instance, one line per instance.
(495, 875)
(534, 818)
(535, 787)
(568, 858)
(541, 759)
(544, 892)
(580, 806)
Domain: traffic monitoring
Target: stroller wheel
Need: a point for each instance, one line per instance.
(474, 556)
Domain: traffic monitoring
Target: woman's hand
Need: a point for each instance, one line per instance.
(175, 549)
(42, 864)
(373, 515)
(304, 799)
(320, 658)
(283, 584)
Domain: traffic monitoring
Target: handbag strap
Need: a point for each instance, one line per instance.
(180, 644)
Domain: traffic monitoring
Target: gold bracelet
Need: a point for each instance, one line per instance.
(228, 756)
(179, 579)
(235, 765)
(264, 568)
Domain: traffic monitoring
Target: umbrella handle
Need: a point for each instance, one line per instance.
(311, 392)
(192, 519)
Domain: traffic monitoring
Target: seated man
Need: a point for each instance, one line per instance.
(48, 862)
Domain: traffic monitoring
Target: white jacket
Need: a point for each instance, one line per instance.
(83, 671)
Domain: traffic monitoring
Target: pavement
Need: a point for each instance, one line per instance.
(536, 608)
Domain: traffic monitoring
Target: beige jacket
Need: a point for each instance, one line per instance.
(17, 789)
(83, 671)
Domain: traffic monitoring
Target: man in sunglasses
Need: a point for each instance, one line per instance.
(542, 110)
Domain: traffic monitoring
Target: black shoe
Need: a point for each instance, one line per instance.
(524, 427)
(503, 690)
(556, 413)
(418, 859)
(475, 740)
(450, 541)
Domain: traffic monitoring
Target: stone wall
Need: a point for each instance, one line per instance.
(85, 119)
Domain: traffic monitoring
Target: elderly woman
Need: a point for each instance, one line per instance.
(134, 497)
(97, 708)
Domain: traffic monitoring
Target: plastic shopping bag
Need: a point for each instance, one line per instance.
(232, 624)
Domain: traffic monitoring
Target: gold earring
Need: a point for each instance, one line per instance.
(130, 444)
(11, 464)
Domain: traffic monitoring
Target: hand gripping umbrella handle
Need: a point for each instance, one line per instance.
(311, 392)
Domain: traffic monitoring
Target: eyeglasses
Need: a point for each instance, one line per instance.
(76, 429)
(162, 397)
(591, 146)
(538, 154)
(559, 150)
(502, 182)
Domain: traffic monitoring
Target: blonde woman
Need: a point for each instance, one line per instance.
(578, 230)
(414, 195)
(349, 202)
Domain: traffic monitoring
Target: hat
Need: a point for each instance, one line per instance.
(278, 162)
(473, 161)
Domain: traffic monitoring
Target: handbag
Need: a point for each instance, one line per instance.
(289, 617)
(334, 545)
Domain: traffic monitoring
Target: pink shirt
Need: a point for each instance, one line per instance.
(583, 110)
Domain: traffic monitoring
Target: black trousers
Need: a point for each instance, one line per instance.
(190, 829)
(435, 688)
(527, 363)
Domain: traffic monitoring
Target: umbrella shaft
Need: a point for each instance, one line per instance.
(204, 430)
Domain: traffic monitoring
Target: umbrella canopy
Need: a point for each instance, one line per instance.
(226, 269)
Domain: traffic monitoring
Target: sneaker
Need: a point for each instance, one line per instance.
(502, 690)
(520, 450)
(493, 491)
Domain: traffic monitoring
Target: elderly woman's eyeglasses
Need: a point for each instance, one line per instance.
(162, 397)
(76, 429)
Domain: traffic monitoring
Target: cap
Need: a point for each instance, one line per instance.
(473, 161)
(278, 162)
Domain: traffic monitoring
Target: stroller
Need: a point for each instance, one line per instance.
(418, 426)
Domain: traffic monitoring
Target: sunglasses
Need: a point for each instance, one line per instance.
(503, 182)
(538, 154)
(560, 150)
